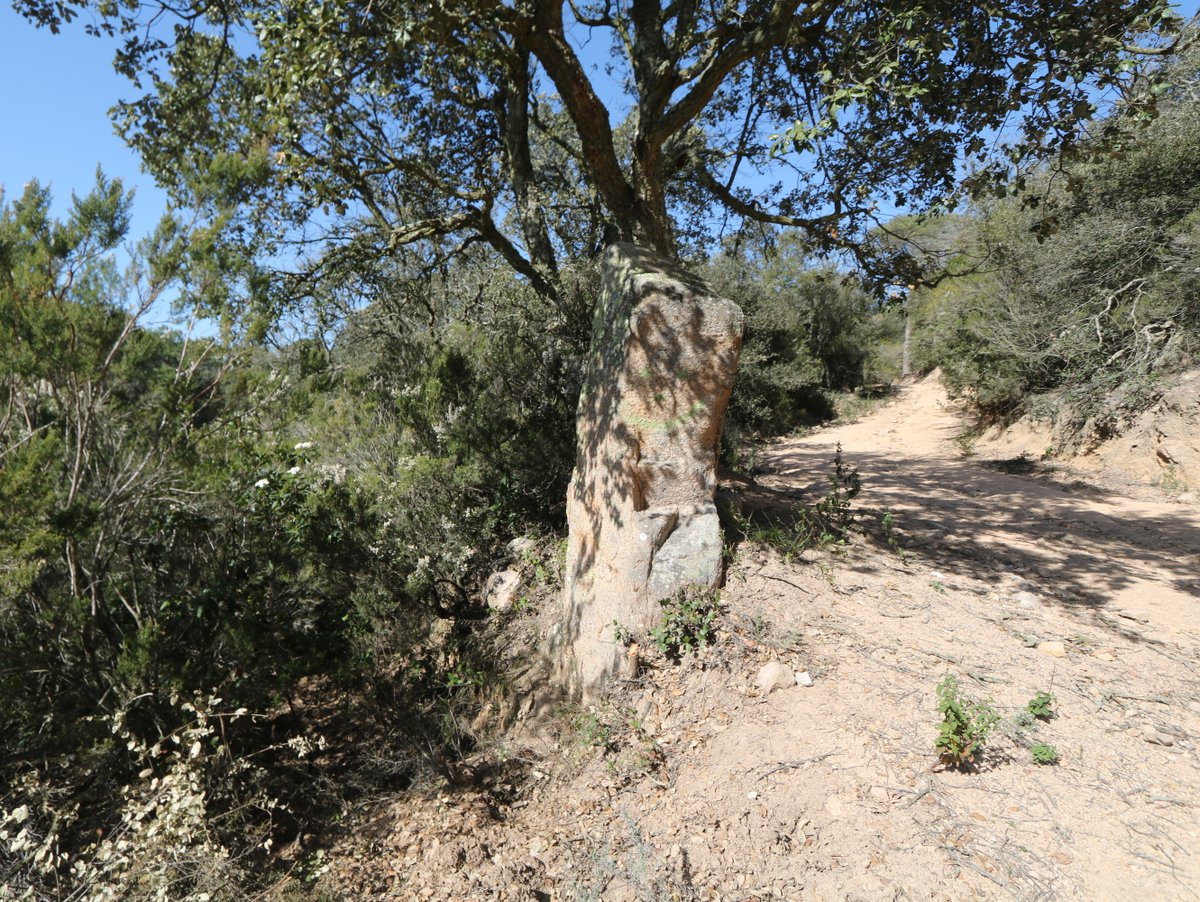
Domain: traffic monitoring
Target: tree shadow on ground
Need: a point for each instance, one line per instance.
(1075, 544)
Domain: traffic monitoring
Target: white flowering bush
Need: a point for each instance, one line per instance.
(161, 842)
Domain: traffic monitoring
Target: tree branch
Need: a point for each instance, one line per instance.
(544, 37)
(751, 210)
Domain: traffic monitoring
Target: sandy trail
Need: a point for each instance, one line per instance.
(1090, 547)
(1000, 567)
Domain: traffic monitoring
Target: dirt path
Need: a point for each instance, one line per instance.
(695, 784)
(1094, 549)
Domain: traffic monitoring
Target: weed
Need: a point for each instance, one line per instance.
(1021, 727)
(844, 485)
(688, 622)
(966, 441)
(628, 751)
(822, 525)
(887, 521)
(621, 634)
(1043, 753)
(788, 536)
(759, 627)
(1041, 706)
(938, 586)
(965, 725)
(1170, 480)
(593, 730)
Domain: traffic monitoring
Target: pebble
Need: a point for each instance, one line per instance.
(1054, 649)
(1154, 736)
(1026, 599)
(772, 676)
(803, 678)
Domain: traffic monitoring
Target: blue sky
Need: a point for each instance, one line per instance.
(55, 92)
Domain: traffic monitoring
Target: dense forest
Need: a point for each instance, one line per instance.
(213, 531)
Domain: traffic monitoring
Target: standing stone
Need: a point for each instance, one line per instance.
(643, 522)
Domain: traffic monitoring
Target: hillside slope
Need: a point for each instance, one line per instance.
(1158, 446)
(694, 783)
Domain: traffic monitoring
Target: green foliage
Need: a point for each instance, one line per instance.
(1041, 706)
(844, 485)
(451, 124)
(184, 517)
(887, 523)
(966, 724)
(1080, 322)
(806, 334)
(161, 840)
(689, 621)
(820, 525)
(1043, 753)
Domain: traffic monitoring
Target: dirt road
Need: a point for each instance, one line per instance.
(1019, 579)
(1093, 549)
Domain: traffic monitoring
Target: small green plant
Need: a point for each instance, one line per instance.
(844, 485)
(821, 525)
(621, 634)
(627, 750)
(965, 725)
(688, 622)
(1043, 753)
(1170, 480)
(1041, 706)
(887, 521)
(966, 441)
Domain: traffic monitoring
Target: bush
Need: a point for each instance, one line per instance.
(1090, 295)
(1043, 753)
(688, 621)
(242, 524)
(807, 331)
(965, 727)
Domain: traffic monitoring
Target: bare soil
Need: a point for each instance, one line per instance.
(691, 783)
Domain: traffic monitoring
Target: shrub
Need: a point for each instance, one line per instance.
(1043, 753)
(689, 621)
(1041, 706)
(1090, 296)
(806, 333)
(965, 727)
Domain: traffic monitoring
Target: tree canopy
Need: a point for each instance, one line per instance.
(345, 130)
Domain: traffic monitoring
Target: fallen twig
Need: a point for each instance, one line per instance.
(794, 765)
(780, 579)
(919, 793)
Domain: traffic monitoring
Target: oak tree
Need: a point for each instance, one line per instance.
(345, 130)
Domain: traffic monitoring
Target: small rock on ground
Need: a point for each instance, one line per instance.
(773, 675)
